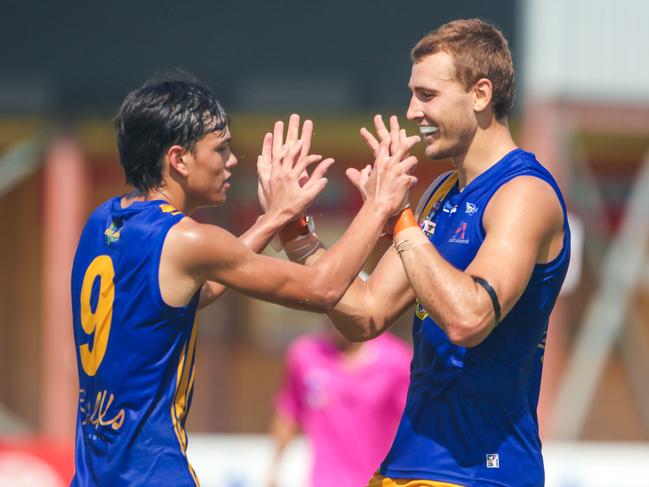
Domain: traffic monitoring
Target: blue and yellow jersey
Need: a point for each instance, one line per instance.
(135, 354)
(470, 416)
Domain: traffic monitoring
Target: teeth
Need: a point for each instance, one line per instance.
(428, 129)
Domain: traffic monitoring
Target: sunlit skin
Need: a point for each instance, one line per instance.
(210, 166)
(439, 100)
(456, 122)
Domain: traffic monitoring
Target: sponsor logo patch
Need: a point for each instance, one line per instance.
(492, 460)
(460, 235)
(471, 209)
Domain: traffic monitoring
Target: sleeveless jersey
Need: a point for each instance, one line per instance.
(135, 354)
(470, 416)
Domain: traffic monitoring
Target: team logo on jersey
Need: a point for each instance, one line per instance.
(113, 232)
(449, 208)
(492, 460)
(460, 235)
(421, 313)
(471, 209)
(428, 227)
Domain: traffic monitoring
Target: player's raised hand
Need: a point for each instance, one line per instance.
(285, 186)
(395, 133)
(388, 181)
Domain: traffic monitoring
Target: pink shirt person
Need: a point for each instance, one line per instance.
(348, 404)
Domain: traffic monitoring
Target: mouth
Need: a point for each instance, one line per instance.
(427, 129)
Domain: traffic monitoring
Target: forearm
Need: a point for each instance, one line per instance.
(337, 268)
(452, 298)
(368, 308)
(256, 238)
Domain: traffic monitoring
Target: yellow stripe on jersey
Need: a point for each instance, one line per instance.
(169, 209)
(184, 385)
(439, 194)
(380, 481)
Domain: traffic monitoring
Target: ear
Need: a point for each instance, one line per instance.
(482, 94)
(177, 157)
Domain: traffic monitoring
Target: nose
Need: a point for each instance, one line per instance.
(414, 109)
(232, 161)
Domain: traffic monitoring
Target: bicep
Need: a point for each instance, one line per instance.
(514, 239)
(219, 256)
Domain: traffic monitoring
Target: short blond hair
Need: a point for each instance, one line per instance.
(479, 50)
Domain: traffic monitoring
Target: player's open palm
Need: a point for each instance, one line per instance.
(285, 187)
(389, 179)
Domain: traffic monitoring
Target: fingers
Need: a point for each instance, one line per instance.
(353, 175)
(289, 160)
(405, 146)
(381, 130)
(307, 134)
(408, 165)
(394, 134)
(319, 172)
(267, 147)
(305, 162)
(384, 150)
(293, 128)
(278, 137)
(371, 141)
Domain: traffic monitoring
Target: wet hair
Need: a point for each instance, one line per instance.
(479, 50)
(169, 109)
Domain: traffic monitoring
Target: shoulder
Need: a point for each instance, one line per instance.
(199, 243)
(525, 198)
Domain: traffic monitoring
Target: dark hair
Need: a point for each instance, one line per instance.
(162, 113)
(479, 50)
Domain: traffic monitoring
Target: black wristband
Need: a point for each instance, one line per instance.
(492, 295)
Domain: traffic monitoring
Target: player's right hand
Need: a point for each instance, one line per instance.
(388, 181)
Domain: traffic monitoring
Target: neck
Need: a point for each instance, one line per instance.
(488, 146)
(169, 191)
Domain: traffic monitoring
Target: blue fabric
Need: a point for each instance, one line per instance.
(131, 413)
(470, 416)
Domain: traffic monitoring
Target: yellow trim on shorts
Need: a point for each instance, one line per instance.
(380, 481)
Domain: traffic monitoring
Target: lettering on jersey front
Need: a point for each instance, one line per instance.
(421, 313)
(97, 413)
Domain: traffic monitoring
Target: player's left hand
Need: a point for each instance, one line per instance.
(285, 187)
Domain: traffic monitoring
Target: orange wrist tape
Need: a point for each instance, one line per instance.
(406, 219)
(294, 229)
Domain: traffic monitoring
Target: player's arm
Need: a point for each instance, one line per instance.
(370, 307)
(195, 253)
(523, 224)
(280, 206)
